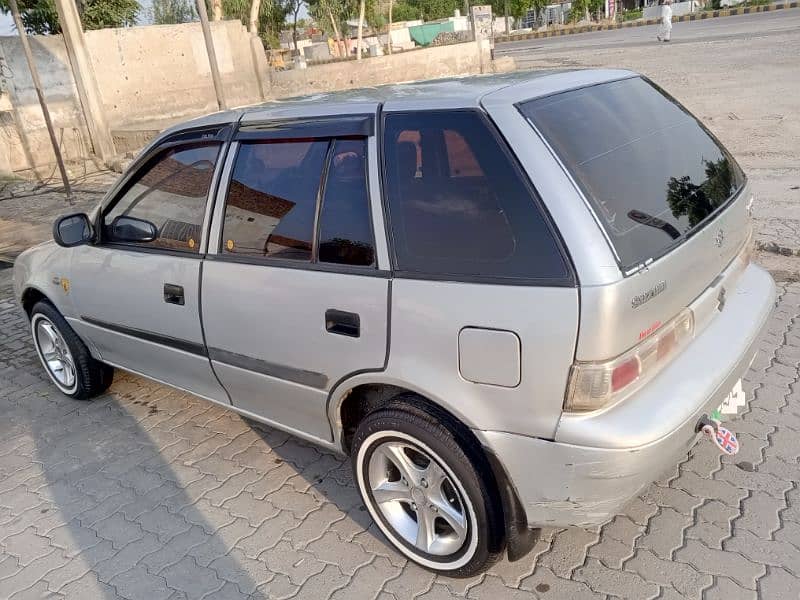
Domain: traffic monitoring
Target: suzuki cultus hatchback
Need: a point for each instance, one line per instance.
(512, 300)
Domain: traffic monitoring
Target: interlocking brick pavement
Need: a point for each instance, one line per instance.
(151, 493)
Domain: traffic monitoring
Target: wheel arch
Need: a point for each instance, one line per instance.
(30, 296)
(356, 401)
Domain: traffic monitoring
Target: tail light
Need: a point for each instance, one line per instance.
(593, 385)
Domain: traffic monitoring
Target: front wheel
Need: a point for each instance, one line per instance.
(427, 491)
(65, 357)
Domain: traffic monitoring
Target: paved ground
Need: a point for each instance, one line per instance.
(150, 493)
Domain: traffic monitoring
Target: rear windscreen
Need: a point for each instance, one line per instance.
(651, 171)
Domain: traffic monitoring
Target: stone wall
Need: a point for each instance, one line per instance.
(154, 73)
(150, 77)
(23, 133)
(412, 65)
(162, 71)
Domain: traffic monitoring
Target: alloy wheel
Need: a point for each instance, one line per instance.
(55, 353)
(417, 498)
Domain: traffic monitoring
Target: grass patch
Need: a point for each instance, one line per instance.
(632, 15)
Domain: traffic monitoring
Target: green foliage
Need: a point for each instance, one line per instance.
(100, 14)
(38, 16)
(402, 11)
(169, 12)
(518, 8)
(271, 17)
(632, 15)
(41, 17)
(580, 8)
(338, 10)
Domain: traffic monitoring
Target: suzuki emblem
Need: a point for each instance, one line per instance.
(720, 238)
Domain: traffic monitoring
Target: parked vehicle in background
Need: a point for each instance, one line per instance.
(512, 300)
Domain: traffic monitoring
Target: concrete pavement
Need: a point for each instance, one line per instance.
(149, 493)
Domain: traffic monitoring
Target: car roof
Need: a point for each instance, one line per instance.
(451, 93)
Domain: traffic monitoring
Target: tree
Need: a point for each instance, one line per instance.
(169, 12)
(252, 25)
(270, 16)
(331, 15)
(403, 11)
(389, 30)
(41, 17)
(100, 14)
(361, 9)
(294, 7)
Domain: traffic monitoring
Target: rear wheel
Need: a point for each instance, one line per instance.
(427, 491)
(65, 357)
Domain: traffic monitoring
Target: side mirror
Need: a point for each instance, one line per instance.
(131, 229)
(72, 230)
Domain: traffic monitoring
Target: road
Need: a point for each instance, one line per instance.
(742, 27)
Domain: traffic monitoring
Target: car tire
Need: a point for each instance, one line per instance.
(65, 357)
(428, 488)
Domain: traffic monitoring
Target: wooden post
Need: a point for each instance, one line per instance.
(390, 26)
(85, 79)
(360, 28)
(26, 48)
(255, 7)
(212, 55)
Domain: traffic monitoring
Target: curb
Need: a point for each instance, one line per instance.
(710, 14)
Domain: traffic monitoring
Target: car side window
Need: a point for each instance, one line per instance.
(458, 206)
(170, 192)
(272, 199)
(345, 230)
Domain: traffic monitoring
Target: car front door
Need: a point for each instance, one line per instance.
(293, 297)
(138, 302)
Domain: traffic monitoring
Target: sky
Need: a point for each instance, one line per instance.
(7, 25)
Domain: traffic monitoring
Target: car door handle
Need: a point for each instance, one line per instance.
(342, 323)
(173, 294)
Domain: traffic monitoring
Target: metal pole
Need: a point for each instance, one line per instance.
(212, 55)
(37, 83)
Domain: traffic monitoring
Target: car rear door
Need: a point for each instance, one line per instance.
(294, 294)
(138, 303)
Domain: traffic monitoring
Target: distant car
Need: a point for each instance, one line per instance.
(512, 300)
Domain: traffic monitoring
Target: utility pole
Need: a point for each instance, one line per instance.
(37, 83)
(85, 81)
(212, 55)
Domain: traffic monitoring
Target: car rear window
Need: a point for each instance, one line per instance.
(651, 171)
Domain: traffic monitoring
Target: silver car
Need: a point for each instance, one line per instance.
(513, 300)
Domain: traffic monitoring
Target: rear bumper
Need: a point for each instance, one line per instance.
(600, 460)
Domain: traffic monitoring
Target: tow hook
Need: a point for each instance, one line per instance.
(724, 439)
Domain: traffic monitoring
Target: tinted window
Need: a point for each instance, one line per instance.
(272, 199)
(170, 192)
(457, 204)
(647, 166)
(345, 231)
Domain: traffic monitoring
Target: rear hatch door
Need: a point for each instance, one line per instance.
(670, 200)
